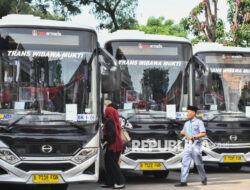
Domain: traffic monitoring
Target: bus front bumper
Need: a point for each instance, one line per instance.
(133, 160)
(22, 172)
(235, 155)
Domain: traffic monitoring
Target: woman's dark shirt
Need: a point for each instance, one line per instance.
(111, 135)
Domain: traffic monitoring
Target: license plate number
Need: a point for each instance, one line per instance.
(232, 158)
(150, 166)
(46, 178)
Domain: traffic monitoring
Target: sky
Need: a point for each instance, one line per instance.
(170, 9)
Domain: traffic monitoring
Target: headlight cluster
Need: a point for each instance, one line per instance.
(8, 156)
(127, 149)
(179, 147)
(84, 155)
(207, 143)
(122, 122)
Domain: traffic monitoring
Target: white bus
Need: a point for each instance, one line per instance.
(152, 98)
(49, 102)
(223, 96)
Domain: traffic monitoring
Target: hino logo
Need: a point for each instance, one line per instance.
(47, 148)
(233, 137)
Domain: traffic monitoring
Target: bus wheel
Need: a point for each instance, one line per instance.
(161, 174)
(59, 186)
(235, 167)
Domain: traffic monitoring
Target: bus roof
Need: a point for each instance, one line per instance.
(137, 35)
(215, 47)
(19, 20)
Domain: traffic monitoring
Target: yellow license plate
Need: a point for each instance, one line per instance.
(232, 158)
(150, 166)
(46, 178)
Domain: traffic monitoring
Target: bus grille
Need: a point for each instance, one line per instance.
(58, 149)
(231, 150)
(45, 167)
(150, 156)
(2, 171)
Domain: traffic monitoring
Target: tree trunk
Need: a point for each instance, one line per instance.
(211, 21)
(112, 15)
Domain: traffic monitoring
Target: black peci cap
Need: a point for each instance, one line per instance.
(192, 108)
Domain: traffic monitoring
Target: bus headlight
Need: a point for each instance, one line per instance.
(84, 155)
(206, 143)
(179, 147)
(8, 156)
(127, 149)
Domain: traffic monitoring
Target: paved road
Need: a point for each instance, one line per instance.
(218, 179)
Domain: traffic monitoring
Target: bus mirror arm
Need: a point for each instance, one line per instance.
(111, 72)
(203, 65)
(108, 60)
(205, 78)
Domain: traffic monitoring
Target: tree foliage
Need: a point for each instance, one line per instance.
(13, 6)
(205, 29)
(26, 7)
(114, 14)
(213, 29)
(63, 8)
(164, 27)
(239, 19)
(157, 80)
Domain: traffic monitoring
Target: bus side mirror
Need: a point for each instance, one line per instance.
(110, 81)
(207, 82)
(110, 72)
(202, 76)
(197, 84)
(185, 89)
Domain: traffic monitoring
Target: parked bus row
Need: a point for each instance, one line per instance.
(57, 77)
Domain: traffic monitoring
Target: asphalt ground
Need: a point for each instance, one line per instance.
(218, 179)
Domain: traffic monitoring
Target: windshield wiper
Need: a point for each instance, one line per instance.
(10, 126)
(212, 118)
(170, 119)
(70, 123)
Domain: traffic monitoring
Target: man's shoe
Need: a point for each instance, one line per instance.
(105, 186)
(181, 185)
(119, 186)
(204, 182)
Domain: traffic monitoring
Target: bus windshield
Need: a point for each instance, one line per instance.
(152, 75)
(229, 90)
(45, 69)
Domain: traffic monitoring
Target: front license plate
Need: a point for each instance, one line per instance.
(46, 178)
(150, 166)
(232, 158)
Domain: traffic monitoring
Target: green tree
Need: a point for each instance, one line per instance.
(155, 83)
(114, 14)
(163, 27)
(239, 19)
(62, 8)
(27, 7)
(13, 6)
(211, 29)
